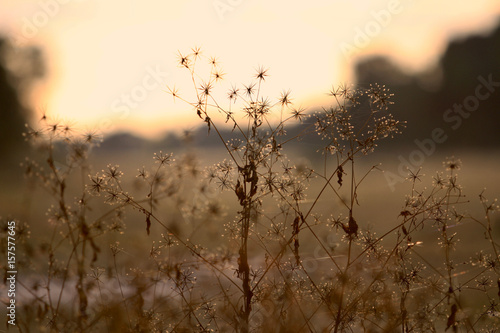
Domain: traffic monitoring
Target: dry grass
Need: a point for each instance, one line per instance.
(170, 253)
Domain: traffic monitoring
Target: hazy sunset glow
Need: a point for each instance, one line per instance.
(113, 60)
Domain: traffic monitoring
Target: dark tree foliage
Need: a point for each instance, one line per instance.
(19, 68)
(423, 99)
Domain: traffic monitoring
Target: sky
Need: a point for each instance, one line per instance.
(110, 61)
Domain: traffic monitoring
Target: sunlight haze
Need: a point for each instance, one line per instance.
(98, 50)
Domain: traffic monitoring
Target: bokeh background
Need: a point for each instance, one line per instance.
(107, 66)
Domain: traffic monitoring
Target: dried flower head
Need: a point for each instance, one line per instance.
(452, 164)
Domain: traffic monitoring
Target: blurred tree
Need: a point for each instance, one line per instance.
(19, 68)
(463, 63)
(425, 99)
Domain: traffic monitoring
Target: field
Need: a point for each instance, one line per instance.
(253, 236)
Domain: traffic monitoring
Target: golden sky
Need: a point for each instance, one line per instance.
(110, 61)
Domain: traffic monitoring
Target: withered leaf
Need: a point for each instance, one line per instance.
(148, 223)
(340, 173)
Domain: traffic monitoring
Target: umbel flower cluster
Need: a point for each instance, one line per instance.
(255, 242)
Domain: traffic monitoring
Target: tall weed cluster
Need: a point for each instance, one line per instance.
(170, 253)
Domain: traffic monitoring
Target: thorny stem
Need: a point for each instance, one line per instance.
(351, 237)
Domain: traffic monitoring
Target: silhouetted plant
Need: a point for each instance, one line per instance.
(243, 245)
